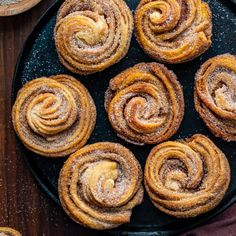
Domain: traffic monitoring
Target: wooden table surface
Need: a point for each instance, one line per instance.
(23, 205)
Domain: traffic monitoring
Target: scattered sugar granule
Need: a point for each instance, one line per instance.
(7, 2)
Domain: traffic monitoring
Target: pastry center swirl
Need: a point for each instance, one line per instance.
(100, 181)
(177, 173)
(161, 14)
(51, 112)
(90, 31)
(144, 112)
(224, 92)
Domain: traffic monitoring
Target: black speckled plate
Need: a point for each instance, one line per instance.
(39, 58)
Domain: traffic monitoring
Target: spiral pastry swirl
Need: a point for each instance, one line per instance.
(173, 31)
(4, 231)
(145, 103)
(54, 116)
(187, 178)
(215, 95)
(90, 36)
(100, 184)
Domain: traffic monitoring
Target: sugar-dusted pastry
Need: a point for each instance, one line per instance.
(54, 116)
(215, 95)
(188, 177)
(173, 31)
(4, 231)
(92, 35)
(145, 103)
(100, 184)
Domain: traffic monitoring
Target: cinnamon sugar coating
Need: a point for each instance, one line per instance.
(215, 95)
(100, 184)
(145, 103)
(5, 231)
(188, 177)
(173, 31)
(90, 36)
(54, 116)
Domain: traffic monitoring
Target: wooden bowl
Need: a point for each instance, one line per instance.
(17, 8)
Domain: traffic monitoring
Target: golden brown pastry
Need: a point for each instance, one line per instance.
(92, 35)
(173, 31)
(145, 103)
(188, 177)
(100, 184)
(215, 95)
(4, 231)
(54, 116)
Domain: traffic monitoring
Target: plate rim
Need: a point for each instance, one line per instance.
(117, 231)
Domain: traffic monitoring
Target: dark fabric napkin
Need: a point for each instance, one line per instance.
(222, 225)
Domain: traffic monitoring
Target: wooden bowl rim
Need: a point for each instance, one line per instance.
(17, 8)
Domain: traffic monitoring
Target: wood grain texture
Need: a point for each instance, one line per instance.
(23, 205)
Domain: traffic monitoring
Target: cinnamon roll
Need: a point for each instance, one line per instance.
(92, 35)
(100, 184)
(173, 31)
(145, 103)
(4, 231)
(215, 95)
(187, 178)
(54, 116)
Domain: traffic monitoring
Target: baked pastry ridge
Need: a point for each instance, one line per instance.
(100, 184)
(54, 116)
(90, 36)
(173, 31)
(214, 96)
(186, 178)
(145, 103)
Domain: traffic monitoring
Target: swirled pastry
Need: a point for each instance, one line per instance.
(215, 95)
(173, 31)
(187, 178)
(92, 35)
(54, 116)
(4, 231)
(145, 103)
(100, 184)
